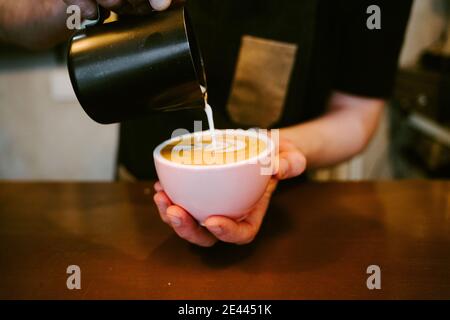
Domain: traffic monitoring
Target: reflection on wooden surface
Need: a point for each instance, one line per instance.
(316, 242)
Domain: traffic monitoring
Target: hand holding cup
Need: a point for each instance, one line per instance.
(220, 228)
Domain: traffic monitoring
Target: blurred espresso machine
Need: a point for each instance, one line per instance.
(420, 117)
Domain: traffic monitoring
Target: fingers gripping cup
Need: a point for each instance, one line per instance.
(227, 180)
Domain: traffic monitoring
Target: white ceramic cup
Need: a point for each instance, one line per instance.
(230, 190)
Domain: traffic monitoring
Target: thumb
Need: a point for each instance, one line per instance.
(160, 5)
(291, 164)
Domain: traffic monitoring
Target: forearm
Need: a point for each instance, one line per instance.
(343, 132)
(33, 24)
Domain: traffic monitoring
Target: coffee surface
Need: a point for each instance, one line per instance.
(200, 150)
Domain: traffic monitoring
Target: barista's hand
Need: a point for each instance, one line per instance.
(89, 7)
(41, 26)
(292, 163)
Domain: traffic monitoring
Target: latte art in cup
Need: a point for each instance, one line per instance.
(200, 150)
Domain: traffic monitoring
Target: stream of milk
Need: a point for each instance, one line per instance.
(209, 114)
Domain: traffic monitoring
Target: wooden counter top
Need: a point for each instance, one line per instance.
(317, 241)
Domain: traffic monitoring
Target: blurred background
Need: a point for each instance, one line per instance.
(45, 135)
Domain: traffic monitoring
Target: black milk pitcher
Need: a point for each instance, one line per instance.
(137, 66)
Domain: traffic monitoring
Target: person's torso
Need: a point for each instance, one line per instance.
(260, 56)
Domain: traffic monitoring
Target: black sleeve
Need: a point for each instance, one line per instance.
(367, 59)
